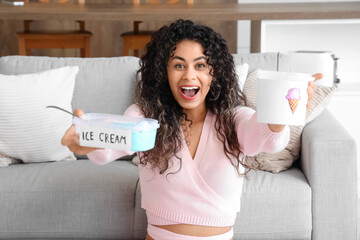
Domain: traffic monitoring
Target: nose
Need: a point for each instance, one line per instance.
(190, 73)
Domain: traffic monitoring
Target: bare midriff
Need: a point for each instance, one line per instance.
(193, 230)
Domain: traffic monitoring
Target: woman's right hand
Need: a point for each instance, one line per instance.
(71, 139)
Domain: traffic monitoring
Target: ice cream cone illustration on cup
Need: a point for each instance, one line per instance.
(293, 97)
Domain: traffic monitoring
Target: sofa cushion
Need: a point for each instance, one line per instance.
(275, 206)
(140, 222)
(103, 85)
(28, 130)
(242, 71)
(68, 200)
(266, 61)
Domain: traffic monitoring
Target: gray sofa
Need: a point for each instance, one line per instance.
(315, 199)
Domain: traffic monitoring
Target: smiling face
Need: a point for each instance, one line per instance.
(189, 76)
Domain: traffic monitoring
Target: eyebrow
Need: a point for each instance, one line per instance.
(196, 59)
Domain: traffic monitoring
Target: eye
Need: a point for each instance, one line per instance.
(178, 65)
(201, 65)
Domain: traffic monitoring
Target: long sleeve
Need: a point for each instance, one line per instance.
(104, 156)
(255, 137)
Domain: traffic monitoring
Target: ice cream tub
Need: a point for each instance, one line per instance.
(116, 132)
(282, 97)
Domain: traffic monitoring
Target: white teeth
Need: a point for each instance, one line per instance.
(190, 88)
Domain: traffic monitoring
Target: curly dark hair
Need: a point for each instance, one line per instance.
(155, 99)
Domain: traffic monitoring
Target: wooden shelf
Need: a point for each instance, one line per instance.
(149, 12)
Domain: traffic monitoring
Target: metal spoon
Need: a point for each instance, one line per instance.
(56, 107)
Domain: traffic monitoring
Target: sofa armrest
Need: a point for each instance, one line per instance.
(328, 160)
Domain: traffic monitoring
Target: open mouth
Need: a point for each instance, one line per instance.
(189, 93)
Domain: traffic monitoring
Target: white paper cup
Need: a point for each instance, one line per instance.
(282, 97)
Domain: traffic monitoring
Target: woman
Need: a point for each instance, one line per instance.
(191, 181)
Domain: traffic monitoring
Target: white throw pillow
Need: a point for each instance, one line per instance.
(28, 130)
(242, 72)
(283, 160)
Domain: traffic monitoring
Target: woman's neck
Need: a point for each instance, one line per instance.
(196, 115)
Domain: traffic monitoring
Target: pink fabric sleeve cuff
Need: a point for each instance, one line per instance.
(275, 141)
(255, 137)
(104, 156)
(100, 156)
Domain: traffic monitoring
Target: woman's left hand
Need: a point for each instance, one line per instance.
(312, 88)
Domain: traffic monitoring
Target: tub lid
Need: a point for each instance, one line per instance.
(116, 121)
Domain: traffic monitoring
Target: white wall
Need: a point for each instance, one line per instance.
(341, 37)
